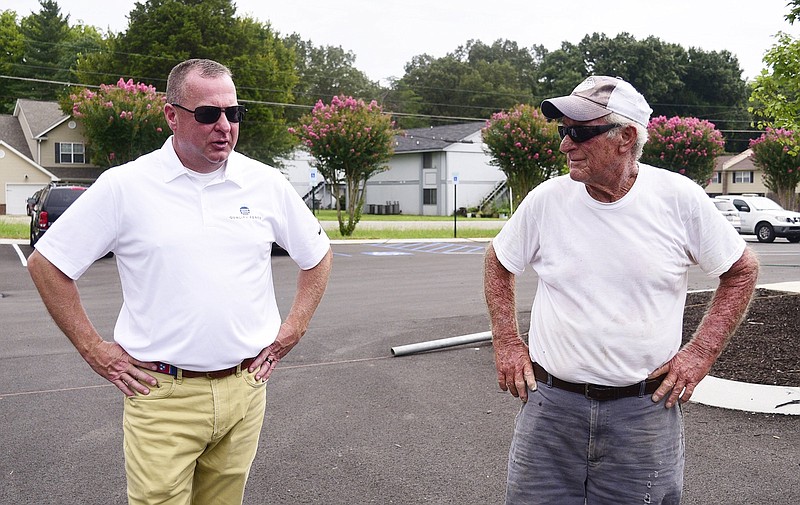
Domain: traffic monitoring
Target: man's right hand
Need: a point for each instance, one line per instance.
(514, 367)
(111, 361)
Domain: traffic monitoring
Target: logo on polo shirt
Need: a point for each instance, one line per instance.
(244, 213)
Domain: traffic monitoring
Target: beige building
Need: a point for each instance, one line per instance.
(736, 175)
(39, 144)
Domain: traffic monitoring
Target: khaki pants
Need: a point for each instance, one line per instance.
(192, 440)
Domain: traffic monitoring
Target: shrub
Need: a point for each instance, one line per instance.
(687, 146)
(121, 121)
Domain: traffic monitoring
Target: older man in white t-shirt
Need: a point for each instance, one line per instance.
(611, 243)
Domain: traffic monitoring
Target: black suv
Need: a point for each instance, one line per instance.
(47, 205)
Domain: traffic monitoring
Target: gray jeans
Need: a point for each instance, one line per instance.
(569, 450)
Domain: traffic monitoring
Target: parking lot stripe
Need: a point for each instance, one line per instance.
(22, 257)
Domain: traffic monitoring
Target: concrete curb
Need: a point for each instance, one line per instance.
(762, 398)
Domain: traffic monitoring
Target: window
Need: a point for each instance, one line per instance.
(716, 178)
(743, 177)
(70, 152)
(427, 160)
(429, 196)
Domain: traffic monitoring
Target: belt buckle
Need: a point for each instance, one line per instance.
(592, 391)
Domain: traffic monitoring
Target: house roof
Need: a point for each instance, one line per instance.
(740, 162)
(41, 116)
(435, 138)
(78, 175)
(11, 133)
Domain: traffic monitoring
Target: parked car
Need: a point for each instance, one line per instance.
(765, 218)
(47, 205)
(728, 210)
(32, 201)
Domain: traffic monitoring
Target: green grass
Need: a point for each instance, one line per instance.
(330, 215)
(14, 229)
(414, 234)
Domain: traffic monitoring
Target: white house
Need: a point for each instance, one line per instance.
(434, 171)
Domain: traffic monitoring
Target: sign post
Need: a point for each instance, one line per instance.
(455, 205)
(312, 181)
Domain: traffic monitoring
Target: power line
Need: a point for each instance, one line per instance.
(307, 107)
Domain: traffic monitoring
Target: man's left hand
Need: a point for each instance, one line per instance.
(684, 371)
(268, 358)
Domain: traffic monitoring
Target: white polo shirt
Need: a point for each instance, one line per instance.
(194, 262)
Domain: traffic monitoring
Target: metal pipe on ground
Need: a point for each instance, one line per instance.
(430, 345)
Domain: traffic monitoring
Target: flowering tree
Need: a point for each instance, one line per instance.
(524, 145)
(122, 121)
(350, 140)
(684, 145)
(773, 153)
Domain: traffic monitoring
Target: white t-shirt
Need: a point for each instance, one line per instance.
(613, 276)
(194, 260)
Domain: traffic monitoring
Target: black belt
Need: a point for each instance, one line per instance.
(596, 392)
(191, 374)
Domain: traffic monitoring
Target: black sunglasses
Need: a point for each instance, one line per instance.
(208, 114)
(583, 133)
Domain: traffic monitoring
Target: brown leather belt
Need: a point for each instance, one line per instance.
(191, 374)
(596, 392)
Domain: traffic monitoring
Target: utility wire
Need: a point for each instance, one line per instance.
(302, 106)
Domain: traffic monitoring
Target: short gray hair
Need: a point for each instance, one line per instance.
(641, 131)
(177, 77)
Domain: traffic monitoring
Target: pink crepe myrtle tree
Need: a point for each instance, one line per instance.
(524, 145)
(350, 141)
(775, 153)
(685, 145)
(122, 121)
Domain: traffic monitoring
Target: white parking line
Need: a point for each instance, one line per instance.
(22, 257)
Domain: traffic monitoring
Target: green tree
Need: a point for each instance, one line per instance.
(162, 33)
(12, 44)
(773, 154)
(794, 13)
(41, 50)
(524, 145)
(122, 121)
(263, 69)
(350, 141)
(80, 41)
(687, 146)
(327, 71)
(474, 81)
(675, 81)
(714, 88)
(44, 32)
(775, 98)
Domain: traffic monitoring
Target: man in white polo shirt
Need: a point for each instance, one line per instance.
(199, 333)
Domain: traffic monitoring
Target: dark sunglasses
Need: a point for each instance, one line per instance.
(583, 133)
(208, 114)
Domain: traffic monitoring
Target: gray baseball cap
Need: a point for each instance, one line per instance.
(599, 96)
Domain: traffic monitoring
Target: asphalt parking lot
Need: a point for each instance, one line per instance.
(346, 422)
